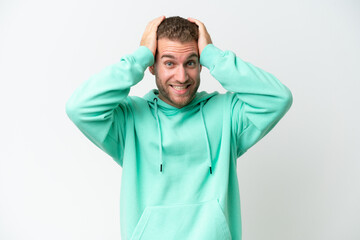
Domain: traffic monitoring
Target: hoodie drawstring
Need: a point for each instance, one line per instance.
(207, 137)
(159, 132)
(160, 138)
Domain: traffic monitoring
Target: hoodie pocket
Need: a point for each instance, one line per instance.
(191, 221)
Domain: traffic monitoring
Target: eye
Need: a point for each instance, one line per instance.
(191, 63)
(169, 64)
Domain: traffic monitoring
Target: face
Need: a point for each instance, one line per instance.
(177, 71)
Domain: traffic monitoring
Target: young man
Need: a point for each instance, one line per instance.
(179, 147)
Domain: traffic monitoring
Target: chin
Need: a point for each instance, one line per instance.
(181, 103)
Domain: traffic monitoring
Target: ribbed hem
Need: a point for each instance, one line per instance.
(210, 55)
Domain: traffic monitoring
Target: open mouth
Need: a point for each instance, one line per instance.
(180, 89)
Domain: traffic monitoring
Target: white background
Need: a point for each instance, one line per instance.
(301, 181)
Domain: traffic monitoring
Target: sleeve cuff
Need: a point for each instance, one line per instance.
(143, 56)
(210, 55)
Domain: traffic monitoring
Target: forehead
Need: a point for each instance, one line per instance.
(176, 48)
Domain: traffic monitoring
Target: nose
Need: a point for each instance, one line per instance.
(181, 74)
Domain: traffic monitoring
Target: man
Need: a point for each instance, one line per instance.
(179, 147)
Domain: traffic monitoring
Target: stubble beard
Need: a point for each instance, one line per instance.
(166, 96)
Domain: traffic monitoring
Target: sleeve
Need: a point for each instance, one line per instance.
(258, 99)
(98, 107)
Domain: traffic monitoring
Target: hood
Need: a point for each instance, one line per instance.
(195, 105)
(170, 110)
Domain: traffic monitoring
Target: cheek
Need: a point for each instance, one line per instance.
(194, 73)
(163, 74)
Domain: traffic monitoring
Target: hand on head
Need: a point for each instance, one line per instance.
(204, 36)
(149, 38)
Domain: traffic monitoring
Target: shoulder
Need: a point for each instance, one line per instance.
(221, 98)
(136, 103)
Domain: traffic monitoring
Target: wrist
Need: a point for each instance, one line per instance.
(210, 56)
(144, 56)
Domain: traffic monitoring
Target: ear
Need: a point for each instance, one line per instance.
(152, 70)
(200, 67)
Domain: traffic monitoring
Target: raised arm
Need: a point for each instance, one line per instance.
(98, 107)
(259, 99)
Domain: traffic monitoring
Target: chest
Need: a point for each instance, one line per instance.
(185, 135)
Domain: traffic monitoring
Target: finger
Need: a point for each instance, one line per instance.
(202, 28)
(204, 37)
(148, 38)
(156, 22)
(160, 19)
(153, 24)
(193, 20)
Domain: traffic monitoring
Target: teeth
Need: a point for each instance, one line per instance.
(179, 87)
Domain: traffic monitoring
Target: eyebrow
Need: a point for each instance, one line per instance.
(172, 57)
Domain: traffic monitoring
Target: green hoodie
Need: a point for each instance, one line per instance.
(179, 178)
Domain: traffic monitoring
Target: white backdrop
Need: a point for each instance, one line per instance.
(301, 181)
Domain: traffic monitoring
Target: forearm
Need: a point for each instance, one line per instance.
(265, 98)
(99, 106)
(92, 105)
